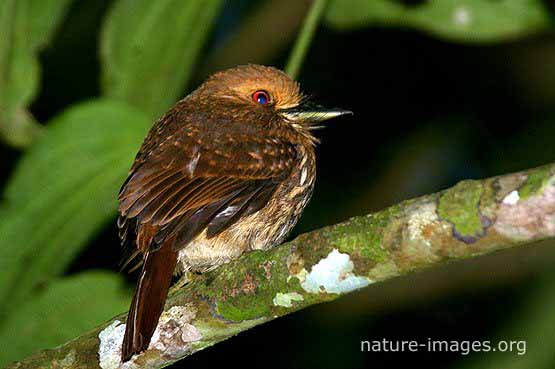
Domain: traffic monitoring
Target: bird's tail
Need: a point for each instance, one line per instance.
(148, 301)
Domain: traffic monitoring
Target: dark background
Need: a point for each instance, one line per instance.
(428, 113)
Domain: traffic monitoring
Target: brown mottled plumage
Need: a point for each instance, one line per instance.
(227, 170)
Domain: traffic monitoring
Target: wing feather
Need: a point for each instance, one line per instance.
(152, 194)
(195, 180)
(231, 213)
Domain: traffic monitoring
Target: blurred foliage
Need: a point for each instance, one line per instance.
(533, 323)
(64, 187)
(149, 48)
(305, 38)
(63, 190)
(81, 301)
(25, 28)
(460, 20)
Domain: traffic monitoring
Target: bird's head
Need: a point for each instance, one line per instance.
(266, 93)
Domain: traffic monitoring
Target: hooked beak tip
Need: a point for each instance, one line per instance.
(334, 113)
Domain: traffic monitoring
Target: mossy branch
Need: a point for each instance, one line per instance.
(467, 220)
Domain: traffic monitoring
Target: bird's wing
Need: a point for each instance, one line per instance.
(194, 181)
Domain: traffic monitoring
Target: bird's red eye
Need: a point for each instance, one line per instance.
(261, 97)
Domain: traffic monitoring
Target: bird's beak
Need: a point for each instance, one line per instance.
(311, 113)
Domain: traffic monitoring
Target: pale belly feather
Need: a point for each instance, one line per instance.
(259, 231)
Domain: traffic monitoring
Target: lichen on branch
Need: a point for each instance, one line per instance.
(469, 219)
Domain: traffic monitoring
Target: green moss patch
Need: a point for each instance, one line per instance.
(362, 237)
(536, 181)
(460, 206)
(244, 291)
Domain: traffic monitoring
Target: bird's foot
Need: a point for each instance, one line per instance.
(184, 279)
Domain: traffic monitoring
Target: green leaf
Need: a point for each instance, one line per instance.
(149, 47)
(25, 28)
(63, 190)
(66, 308)
(458, 20)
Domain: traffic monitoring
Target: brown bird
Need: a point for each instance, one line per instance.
(227, 170)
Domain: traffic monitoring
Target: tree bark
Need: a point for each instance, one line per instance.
(467, 220)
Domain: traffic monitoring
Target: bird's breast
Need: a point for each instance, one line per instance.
(286, 206)
(262, 230)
